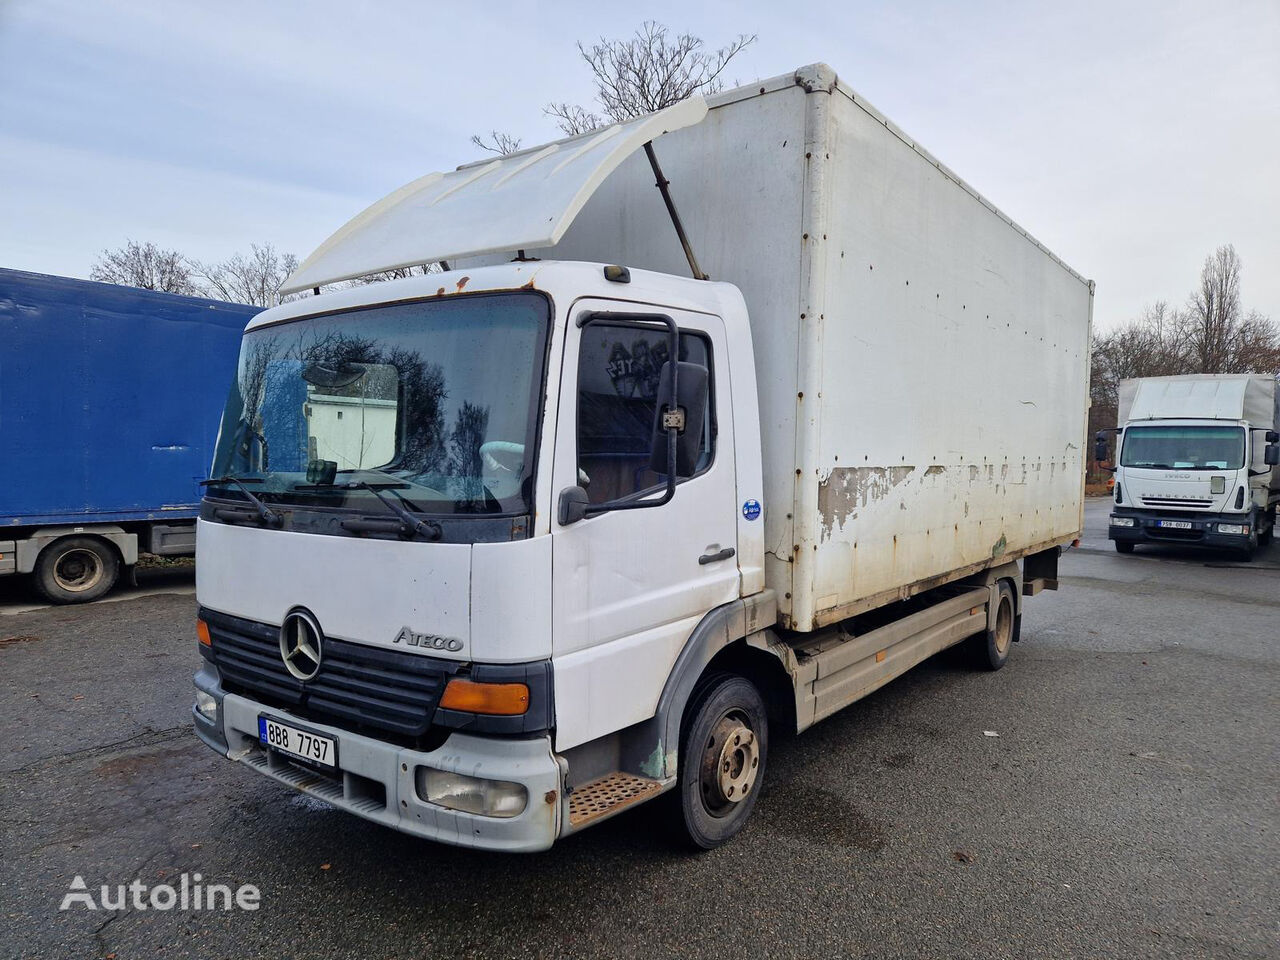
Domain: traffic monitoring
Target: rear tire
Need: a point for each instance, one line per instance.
(1264, 539)
(990, 649)
(1122, 547)
(723, 749)
(76, 570)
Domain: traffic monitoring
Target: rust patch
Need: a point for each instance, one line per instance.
(529, 285)
(462, 283)
(14, 641)
(135, 763)
(440, 292)
(848, 489)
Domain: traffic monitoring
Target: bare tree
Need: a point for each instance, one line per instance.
(1219, 335)
(254, 279)
(498, 142)
(419, 270)
(646, 72)
(572, 119)
(147, 266)
(634, 76)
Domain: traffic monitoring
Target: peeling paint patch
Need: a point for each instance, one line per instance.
(935, 470)
(847, 489)
(999, 547)
(652, 766)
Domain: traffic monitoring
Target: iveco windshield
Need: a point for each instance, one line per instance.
(434, 400)
(1183, 448)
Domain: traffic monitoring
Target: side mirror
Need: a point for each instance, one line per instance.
(1100, 447)
(1272, 436)
(686, 419)
(573, 505)
(1271, 454)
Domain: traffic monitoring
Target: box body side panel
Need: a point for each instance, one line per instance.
(953, 389)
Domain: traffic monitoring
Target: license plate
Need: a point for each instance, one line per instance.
(1174, 524)
(322, 751)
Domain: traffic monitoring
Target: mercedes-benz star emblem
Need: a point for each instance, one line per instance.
(300, 644)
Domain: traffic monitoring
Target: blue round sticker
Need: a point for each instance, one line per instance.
(751, 509)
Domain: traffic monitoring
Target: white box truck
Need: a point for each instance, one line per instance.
(632, 521)
(1196, 462)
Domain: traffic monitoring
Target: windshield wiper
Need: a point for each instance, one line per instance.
(415, 526)
(269, 516)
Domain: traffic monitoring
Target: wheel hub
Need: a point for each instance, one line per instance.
(730, 763)
(77, 570)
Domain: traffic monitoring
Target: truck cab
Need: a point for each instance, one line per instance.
(1193, 480)
(490, 404)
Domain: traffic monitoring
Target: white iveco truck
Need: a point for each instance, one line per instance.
(494, 553)
(1197, 462)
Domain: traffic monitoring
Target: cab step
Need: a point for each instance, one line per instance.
(608, 795)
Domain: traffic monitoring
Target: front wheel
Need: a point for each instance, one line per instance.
(722, 758)
(1122, 547)
(76, 570)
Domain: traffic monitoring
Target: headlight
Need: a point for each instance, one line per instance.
(206, 705)
(487, 798)
(1122, 521)
(1239, 529)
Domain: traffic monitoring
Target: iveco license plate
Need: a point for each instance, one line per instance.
(302, 744)
(1174, 524)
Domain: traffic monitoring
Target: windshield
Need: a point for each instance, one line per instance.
(1184, 448)
(435, 401)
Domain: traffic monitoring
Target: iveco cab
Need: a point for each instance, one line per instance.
(1196, 462)
(646, 473)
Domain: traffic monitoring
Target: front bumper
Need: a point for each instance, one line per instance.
(376, 780)
(1144, 526)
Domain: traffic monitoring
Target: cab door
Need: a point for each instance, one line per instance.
(630, 585)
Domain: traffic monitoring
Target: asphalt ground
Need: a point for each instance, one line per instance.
(1127, 806)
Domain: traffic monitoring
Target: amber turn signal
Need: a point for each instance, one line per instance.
(202, 633)
(495, 699)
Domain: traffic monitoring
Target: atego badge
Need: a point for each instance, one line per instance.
(409, 638)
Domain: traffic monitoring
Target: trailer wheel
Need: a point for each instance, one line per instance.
(1122, 547)
(723, 751)
(990, 649)
(76, 570)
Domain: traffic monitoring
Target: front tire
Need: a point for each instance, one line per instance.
(723, 749)
(76, 570)
(1123, 547)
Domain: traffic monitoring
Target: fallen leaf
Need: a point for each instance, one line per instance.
(990, 733)
(195, 846)
(325, 866)
(961, 857)
(78, 696)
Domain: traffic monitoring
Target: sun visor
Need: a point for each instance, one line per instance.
(524, 201)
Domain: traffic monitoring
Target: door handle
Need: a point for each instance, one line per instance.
(724, 554)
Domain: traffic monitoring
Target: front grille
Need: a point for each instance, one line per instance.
(357, 687)
(1177, 502)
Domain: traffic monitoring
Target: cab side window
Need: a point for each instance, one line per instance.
(619, 366)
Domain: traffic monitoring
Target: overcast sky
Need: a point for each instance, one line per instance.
(1130, 138)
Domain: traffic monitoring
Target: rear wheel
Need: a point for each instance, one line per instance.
(76, 570)
(1265, 538)
(990, 649)
(722, 758)
(1122, 547)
